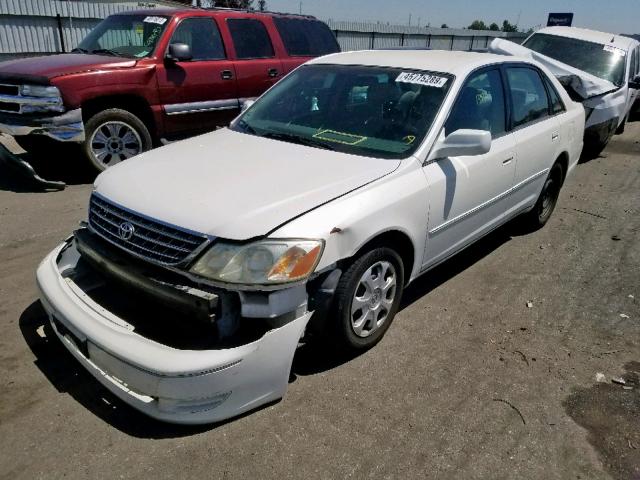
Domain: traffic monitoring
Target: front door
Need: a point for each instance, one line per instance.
(201, 94)
(469, 195)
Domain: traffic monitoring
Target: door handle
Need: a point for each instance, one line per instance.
(226, 74)
(507, 161)
(555, 136)
(273, 72)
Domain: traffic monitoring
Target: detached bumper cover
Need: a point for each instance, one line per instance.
(67, 127)
(178, 386)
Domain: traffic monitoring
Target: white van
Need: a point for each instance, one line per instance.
(599, 69)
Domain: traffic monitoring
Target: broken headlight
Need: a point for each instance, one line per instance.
(260, 263)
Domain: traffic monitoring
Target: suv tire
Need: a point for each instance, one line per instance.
(114, 135)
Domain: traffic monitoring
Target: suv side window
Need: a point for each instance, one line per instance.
(203, 36)
(556, 102)
(633, 65)
(306, 38)
(528, 95)
(250, 38)
(480, 105)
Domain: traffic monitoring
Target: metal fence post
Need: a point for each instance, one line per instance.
(402, 40)
(429, 41)
(453, 37)
(61, 32)
(373, 40)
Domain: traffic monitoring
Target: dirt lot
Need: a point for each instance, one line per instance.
(468, 383)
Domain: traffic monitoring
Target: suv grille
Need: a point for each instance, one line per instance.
(12, 90)
(146, 238)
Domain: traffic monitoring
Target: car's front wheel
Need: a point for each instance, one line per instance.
(367, 298)
(113, 136)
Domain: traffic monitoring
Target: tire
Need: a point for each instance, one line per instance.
(374, 282)
(546, 203)
(114, 135)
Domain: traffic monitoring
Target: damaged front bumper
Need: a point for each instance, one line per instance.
(170, 384)
(67, 127)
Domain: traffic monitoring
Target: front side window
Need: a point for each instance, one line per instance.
(528, 96)
(250, 38)
(305, 37)
(603, 61)
(133, 36)
(203, 36)
(480, 105)
(370, 111)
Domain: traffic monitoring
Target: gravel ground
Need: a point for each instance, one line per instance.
(469, 382)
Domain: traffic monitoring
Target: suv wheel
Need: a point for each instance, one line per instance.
(367, 298)
(114, 135)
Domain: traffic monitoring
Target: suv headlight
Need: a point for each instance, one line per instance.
(39, 91)
(260, 263)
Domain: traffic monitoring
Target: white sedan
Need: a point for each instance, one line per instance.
(203, 263)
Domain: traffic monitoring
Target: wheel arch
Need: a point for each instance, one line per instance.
(563, 160)
(131, 103)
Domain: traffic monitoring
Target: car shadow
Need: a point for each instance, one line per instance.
(68, 377)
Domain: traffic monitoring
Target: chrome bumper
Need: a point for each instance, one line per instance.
(67, 127)
(172, 385)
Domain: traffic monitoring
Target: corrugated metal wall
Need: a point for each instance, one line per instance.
(30, 27)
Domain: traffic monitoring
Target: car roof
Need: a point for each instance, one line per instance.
(594, 36)
(446, 61)
(168, 11)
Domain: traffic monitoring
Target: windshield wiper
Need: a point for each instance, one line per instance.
(106, 51)
(79, 50)
(247, 128)
(309, 142)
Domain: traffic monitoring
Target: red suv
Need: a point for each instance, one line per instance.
(145, 76)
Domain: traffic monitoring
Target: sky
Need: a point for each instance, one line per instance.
(616, 16)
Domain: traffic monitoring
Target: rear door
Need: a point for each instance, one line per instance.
(257, 65)
(469, 195)
(304, 39)
(536, 129)
(200, 94)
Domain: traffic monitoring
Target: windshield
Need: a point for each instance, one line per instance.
(132, 36)
(370, 111)
(603, 61)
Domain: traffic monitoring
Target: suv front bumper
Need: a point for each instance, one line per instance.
(67, 127)
(177, 386)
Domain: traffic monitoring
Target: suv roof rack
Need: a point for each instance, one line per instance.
(248, 10)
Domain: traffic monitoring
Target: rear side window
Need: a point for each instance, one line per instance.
(556, 102)
(480, 105)
(306, 38)
(250, 38)
(528, 96)
(203, 36)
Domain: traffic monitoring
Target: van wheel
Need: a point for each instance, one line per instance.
(541, 212)
(114, 135)
(367, 299)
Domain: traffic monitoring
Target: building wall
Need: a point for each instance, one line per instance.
(30, 27)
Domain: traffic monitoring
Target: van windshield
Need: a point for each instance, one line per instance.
(370, 111)
(132, 36)
(603, 61)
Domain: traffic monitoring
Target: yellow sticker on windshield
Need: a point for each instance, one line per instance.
(339, 137)
(409, 139)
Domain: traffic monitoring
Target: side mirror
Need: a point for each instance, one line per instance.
(635, 83)
(179, 52)
(246, 105)
(462, 143)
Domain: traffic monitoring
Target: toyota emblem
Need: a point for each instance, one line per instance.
(126, 231)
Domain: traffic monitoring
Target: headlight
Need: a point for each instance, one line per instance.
(260, 263)
(39, 91)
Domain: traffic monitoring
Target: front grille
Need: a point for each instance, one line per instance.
(12, 90)
(149, 239)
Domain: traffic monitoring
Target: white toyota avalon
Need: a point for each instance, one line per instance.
(203, 263)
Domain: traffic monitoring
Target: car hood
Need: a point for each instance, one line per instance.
(582, 83)
(49, 67)
(234, 185)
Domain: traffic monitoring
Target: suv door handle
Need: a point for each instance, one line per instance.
(507, 161)
(226, 74)
(555, 136)
(273, 72)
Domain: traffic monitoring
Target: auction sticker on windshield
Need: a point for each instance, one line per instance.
(158, 20)
(614, 50)
(422, 79)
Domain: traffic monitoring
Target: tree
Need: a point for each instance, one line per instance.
(477, 25)
(494, 27)
(508, 27)
(444, 25)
